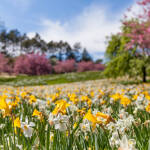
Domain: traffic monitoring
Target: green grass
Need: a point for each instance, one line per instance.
(23, 80)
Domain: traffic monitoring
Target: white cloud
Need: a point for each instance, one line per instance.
(90, 28)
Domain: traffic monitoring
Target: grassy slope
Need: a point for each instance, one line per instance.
(50, 79)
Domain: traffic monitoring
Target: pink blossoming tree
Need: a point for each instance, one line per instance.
(32, 64)
(65, 66)
(135, 38)
(139, 36)
(128, 52)
(4, 66)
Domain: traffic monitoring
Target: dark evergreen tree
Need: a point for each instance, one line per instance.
(86, 56)
(99, 61)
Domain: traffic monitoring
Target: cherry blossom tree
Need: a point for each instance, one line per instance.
(138, 34)
(65, 66)
(4, 66)
(32, 64)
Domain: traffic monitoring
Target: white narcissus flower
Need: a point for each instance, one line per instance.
(60, 122)
(126, 144)
(85, 126)
(72, 107)
(51, 119)
(27, 128)
(114, 140)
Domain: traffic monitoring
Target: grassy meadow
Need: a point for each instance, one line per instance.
(24, 80)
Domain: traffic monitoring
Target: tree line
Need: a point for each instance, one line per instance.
(13, 44)
(20, 54)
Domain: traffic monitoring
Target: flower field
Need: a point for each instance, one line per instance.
(78, 116)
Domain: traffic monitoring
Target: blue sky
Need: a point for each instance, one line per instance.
(85, 21)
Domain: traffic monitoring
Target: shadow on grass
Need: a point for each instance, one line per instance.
(3, 80)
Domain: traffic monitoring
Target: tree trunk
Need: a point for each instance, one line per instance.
(144, 73)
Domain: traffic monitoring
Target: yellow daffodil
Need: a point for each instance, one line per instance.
(100, 115)
(32, 99)
(92, 94)
(84, 98)
(48, 102)
(148, 108)
(4, 106)
(89, 116)
(17, 123)
(116, 96)
(135, 97)
(13, 104)
(101, 92)
(61, 106)
(38, 114)
(73, 98)
(148, 97)
(82, 111)
(54, 97)
(17, 99)
(97, 119)
(75, 125)
(125, 101)
(23, 94)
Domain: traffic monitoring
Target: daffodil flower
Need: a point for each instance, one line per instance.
(27, 128)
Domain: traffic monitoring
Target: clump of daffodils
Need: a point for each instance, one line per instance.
(89, 115)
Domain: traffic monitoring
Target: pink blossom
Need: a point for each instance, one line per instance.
(65, 66)
(32, 64)
(4, 66)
